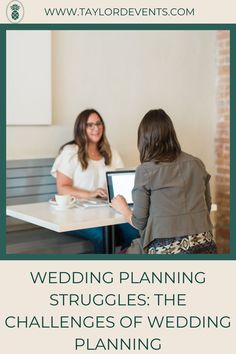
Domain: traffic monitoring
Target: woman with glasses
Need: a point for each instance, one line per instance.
(80, 170)
(171, 194)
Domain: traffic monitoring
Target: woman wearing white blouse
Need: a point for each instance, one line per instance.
(80, 170)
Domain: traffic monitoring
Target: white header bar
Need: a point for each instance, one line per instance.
(117, 11)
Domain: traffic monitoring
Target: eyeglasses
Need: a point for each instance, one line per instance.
(93, 125)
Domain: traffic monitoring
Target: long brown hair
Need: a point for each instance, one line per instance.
(81, 139)
(157, 140)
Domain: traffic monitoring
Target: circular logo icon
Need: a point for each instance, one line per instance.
(15, 11)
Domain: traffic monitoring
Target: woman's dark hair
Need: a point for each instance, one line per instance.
(157, 140)
(81, 139)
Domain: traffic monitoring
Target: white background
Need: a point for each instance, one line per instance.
(215, 297)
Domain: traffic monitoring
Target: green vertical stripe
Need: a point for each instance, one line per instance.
(3, 142)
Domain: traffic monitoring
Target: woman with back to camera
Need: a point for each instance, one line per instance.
(80, 171)
(171, 194)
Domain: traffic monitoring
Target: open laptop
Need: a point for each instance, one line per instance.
(120, 182)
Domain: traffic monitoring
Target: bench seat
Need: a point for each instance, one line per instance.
(29, 181)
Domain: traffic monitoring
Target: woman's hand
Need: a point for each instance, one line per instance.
(119, 203)
(65, 186)
(99, 192)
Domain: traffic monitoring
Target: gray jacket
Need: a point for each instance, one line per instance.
(171, 199)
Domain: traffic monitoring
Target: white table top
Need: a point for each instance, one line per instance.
(46, 215)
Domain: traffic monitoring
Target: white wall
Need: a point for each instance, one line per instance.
(29, 77)
(123, 74)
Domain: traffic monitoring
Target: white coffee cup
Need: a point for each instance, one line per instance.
(64, 200)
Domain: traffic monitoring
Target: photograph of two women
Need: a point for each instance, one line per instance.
(151, 106)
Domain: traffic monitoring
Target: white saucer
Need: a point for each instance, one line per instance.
(58, 207)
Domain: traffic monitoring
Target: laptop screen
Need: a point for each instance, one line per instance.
(120, 182)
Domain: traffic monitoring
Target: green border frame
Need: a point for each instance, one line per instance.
(99, 27)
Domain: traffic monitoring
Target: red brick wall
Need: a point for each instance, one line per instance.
(222, 142)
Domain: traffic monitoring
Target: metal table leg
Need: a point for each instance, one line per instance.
(106, 239)
(109, 239)
(112, 239)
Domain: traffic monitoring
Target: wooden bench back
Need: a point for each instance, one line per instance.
(29, 181)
